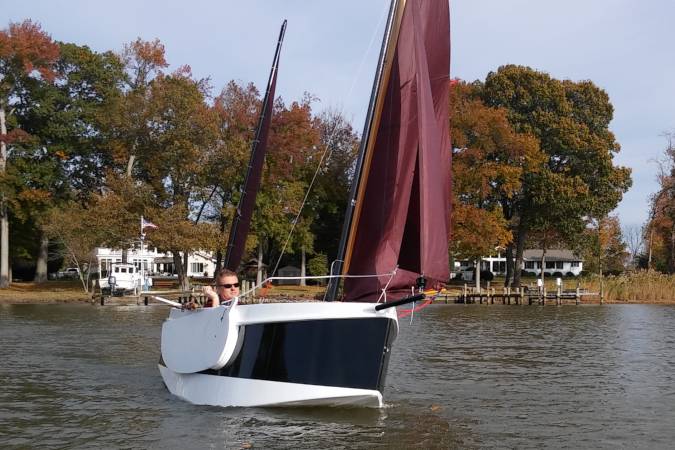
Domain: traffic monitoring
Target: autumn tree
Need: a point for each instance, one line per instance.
(27, 54)
(182, 131)
(293, 156)
(491, 162)
(237, 108)
(660, 229)
(606, 251)
(71, 226)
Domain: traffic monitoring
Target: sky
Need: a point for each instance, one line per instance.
(331, 50)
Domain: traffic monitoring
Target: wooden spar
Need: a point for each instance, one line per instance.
(234, 235)
(368, 139)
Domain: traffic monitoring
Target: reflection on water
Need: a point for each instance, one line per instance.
(461, 376)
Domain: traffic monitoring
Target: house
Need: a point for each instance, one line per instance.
(289, 271)
(557, 263)
(200, 263)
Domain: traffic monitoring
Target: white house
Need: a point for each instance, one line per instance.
(557, 263)
(157, 263)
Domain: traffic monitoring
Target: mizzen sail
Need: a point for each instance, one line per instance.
(402, 215)
(242, 217)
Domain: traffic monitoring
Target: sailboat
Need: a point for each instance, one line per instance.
(394, 243)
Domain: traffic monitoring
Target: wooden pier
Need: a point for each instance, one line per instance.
(518, 296)
(467, 295)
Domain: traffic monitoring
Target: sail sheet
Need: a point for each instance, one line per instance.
(403, 221)
(241, 222)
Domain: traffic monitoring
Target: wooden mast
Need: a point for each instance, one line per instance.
(368, 139)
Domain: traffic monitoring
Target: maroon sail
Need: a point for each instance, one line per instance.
(242, 217)
(402, 218)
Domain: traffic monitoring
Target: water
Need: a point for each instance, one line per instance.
(464, 376)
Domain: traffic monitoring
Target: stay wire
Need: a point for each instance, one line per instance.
(328, 146)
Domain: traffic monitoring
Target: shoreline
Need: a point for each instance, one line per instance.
(61, 292)
(49, 298)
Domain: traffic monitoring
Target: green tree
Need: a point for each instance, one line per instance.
(64, 157)
(27, 55)
(328, 201)
(318, 266)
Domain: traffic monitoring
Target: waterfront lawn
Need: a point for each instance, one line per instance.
(53, 291)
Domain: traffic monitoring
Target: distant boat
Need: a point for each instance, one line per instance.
(394, 240)
(121, 277)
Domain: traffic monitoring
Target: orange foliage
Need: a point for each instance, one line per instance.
(29, 49)
(477, 232)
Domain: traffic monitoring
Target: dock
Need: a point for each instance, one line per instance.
(519, 296)
(527, 295)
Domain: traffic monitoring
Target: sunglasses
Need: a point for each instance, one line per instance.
(228, 285)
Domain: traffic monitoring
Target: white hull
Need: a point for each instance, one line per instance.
(213, 390)
(282, 354)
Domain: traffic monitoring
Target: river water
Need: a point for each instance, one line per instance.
(461, 376)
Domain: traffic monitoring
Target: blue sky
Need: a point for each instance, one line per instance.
(623, 46)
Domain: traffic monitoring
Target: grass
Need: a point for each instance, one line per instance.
(631, 287)
(635, 287)
(66, 291)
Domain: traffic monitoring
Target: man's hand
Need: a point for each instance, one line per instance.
(190, 306)
(209, 293)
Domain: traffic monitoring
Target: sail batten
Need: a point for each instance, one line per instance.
(402, 219)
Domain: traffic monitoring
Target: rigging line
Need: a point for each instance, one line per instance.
(384, 289)
(315, 277)
(328, 150)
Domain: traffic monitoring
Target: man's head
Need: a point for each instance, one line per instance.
(227, 285)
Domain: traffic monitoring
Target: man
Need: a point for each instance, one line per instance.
(226, 288)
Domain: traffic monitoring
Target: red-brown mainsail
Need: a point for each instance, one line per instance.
(402, 213)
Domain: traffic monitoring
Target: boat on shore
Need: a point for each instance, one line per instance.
(121, 278)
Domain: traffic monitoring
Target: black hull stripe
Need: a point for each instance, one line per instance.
(350, 353)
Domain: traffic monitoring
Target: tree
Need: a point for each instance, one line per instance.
(64, 157)
(292, 157)
(571, 122)
(26, 54)
(182, 131)
(660, 228)
(634, 238)
(328, 201)
(318, 266)
(237, 109)
(71, 226)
